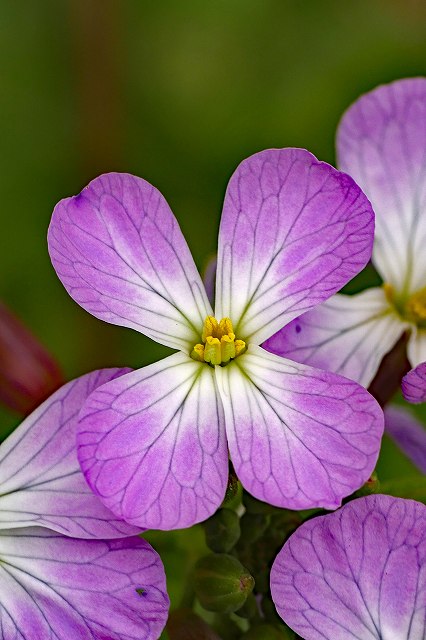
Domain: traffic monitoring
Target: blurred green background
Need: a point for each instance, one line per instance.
(179, 92)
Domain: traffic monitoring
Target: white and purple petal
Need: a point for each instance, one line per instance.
(152, 444)
(298, 437)
(346, 334)
(356, 574)
(293, 231)
(381, 143)
(408, 433)
(414, 384)
(118, 250)
(61, 588)
(41, 482)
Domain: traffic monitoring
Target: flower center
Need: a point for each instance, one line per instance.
(219, 344)
(413, 308)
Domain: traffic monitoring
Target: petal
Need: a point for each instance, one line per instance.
(414, 384)
(118, 250)
(209, 278)
(152, 444)
(347, 334)
(298, 437)
(358, 573)
(416, 348)
(293, 232)
(40, 479)
(381, 143)
(61, 588)
(408, 433)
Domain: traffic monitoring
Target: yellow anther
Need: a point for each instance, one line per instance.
(240, 346)
(219, 341)
(210, 328)
(225, 327)
(227, 346)
(198, 352)
(212, 350)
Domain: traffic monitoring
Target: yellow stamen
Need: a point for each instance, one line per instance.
(210, 328)
(227, 347)
(198, 352)
(225, 327)
(212, 351)
(240, 346)
(219, 341)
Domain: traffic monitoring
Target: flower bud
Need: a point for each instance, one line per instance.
(222, 531)
(222, 583)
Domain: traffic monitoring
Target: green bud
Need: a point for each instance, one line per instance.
(265, 632)
(222, 531)
(184, 624)
(222, 583)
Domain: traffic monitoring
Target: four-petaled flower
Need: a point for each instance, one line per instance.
(152, 443)
(359, 572)
(381, 143)
(62, 573)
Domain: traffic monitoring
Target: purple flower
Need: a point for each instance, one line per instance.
(381, 143)
(153, 444)
(359, 572)
(60, 587)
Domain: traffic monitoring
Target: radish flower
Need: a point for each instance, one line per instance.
(359, 572)
(62, 573)
(153, 444)
(381, 143)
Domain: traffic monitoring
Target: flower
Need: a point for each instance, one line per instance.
(61, 587)
(381, 143)
(152, 443)
(359, 572)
